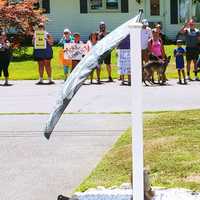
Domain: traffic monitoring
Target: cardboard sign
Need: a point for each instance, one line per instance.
(40, 41)
(74, 51)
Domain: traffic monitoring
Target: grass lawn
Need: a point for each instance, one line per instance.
(28, 69)
(172, 153)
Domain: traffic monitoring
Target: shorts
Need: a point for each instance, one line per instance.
(192, 53)
(180, 67)
(106, 59)
(66, 69)
(43, 54)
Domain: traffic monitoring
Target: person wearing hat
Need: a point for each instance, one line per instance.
(191, 34)
(67, 38)
(146, 34)
(106, 59)
(179, 53)
(77, 40)
(44, 55)
(5, 56)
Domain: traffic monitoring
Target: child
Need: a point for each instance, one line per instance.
(179, 53)
(5, 56)
(124, 60)
(77, 40)
(67, 38)
(93, 38)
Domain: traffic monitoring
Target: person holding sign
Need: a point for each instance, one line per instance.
(78, 42)
(67, 38)
(43, 52)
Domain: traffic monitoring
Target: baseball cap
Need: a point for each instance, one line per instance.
(102, 23)
(145, 22)
(66, 31)
(179, 41)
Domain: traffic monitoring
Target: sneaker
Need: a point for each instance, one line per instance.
(39, 83)
(51, 82)
(6, 83)
(185, 82)
(122, 83)
(197, 79)
(179, 82)
(129, 83)
(98, 81)
(110, 79)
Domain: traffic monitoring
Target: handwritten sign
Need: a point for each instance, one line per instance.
(40, 42)
(74, 51)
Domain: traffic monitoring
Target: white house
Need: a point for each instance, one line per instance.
(83, 16)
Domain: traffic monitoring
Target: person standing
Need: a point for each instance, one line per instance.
(93, 39)
(67, 38)
(107, 57)
(156, 47)
(124, 60)
(44, 56)
(156, 50)
(77, 40)
(191, 34)
(5, 56)
(146, 34)
(179, 53)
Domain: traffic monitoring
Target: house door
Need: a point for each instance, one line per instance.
(155, 12)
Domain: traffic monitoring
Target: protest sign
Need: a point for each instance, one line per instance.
(74, 51)
(40, 41)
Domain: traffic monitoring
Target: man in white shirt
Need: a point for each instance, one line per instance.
(146, 34)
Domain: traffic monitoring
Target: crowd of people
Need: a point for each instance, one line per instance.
(152, 45)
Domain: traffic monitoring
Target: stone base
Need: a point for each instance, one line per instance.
(126, 194)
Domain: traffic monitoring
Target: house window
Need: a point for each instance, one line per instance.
(96, 4)
(196, 10)
(46, 6)
(184, 10)
(104, 5)
(155, 7)
(112, 4)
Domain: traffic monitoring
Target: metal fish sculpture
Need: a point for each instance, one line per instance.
(83, 70)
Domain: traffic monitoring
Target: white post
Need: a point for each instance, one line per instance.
(137, 112)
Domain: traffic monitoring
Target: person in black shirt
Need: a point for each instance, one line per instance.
(5, 56)
(192, 51)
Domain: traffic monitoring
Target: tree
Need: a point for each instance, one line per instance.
(20, 17)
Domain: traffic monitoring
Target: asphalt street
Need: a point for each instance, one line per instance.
(36, 169)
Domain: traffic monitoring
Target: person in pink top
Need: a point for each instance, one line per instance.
(155, 47)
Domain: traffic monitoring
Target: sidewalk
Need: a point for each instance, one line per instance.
(26, 97)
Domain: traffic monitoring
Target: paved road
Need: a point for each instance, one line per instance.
(25, 97)
(36, 169)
